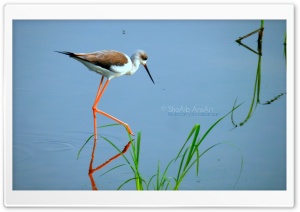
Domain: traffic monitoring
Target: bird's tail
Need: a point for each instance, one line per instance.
(71, 54)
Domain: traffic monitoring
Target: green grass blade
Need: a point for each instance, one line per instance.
(169, 164)
(138, 147)
(213, 146)
(113, 169)
(193, 146)
(231, 117)
(195, 161)
(111, 143)
(157, 177)
(197, 165)
(273, 99)
(127, 181)
(164, 177)
(168, 184)
(181, 163)
(143, 181)
(193, 149)
(116, 124)
(103, 126)
(241, 168)
(242, 161)
(109, 125)
(188, 138)
(139, 181)
(119, 151)
(259, 80)
(84, 145)
(133, 152)
(256, 92)
(211, 127)
(148, 184)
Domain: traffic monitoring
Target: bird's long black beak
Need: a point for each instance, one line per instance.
(149, 73)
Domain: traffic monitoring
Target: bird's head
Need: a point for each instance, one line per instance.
(142, 57)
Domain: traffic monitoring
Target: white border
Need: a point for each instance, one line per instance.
(147, 198)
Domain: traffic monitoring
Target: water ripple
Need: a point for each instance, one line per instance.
(47, 142)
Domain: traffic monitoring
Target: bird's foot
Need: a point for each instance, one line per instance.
(128, 129)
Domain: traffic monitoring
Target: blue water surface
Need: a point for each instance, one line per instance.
(199, 72)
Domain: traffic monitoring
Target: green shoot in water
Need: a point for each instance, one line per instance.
(188, 157)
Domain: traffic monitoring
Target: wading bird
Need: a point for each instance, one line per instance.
(110, 64)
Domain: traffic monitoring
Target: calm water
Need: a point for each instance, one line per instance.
(199, 71)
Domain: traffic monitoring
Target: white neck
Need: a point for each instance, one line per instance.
(135, 63)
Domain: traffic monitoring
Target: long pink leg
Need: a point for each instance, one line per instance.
(95, 103)
(95, 137)
(96, 110)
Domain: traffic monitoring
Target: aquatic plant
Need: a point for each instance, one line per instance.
(188, 157)
(93, 183)
(257, 85)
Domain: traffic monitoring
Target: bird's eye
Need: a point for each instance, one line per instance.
(144, 57)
